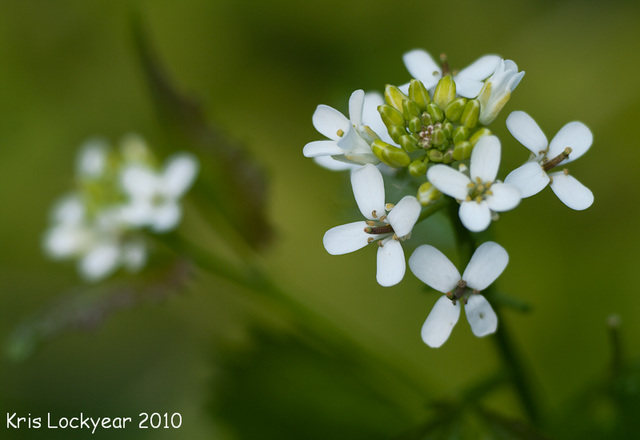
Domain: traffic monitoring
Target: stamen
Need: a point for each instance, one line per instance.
(389, 206)
(370, 240)
(370, 222)
(386, 229)
(374, 214)
(460, 289)
(444, 64)
(556, 160)
(383, 218)
(340, 133)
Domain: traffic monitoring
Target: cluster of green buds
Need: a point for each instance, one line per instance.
(442, 129)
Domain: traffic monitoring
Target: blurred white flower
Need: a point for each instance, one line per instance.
(496, 91)
(389, 229)
(571, 142)
(433, 268)
(469, 81)
(350, 139)
(101, 224)
(481, 195)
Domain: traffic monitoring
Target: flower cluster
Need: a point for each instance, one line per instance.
(434, 131)
(119, 194)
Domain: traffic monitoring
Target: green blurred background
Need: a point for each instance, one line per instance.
(69, 70)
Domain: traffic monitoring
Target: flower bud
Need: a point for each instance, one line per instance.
(391, 116)
(390, 155)
(436, 113)
(437, 137)
(409, 143)
(435, 155)
(410, 110)
(460, 133)
(418, 168)
(453, 111)
(428, 194)
(415, 125)
(445, 91)
(470, 114)
(396, 133)
(462, 150)
(394, 97)
(475, 137)
(419, 94)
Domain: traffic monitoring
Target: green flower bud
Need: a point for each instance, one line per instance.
(475, 137)
(445, 91)
(428, 194)
(396, 133)
(419, 94)
(435, 155)
(415, 125)
(438, 137)
(460, 133)
(410, 110)
(448, 156)
(391, 116)
(408, 143)
(426, 119)
(447, 127)
(470, 114)
(394, 97)
(436, 113)
(417, 168)
(390, 155)
(462, 150)
(453, 111)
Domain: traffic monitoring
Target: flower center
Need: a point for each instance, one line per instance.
(479, 190)
(458, 292)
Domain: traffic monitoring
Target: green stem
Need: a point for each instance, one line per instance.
(467, 243)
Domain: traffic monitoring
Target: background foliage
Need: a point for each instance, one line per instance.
(70, 70)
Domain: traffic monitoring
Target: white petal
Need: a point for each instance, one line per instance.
(353, 146)
(449, 181)
(570, 191)
(332, 164)
(179, 173)
(138, 212)
(487, 263)
(422, 67)
(480, 69)
(575, 135)
(404, 215)
(368, 190)
(485, 159)
(64, 241)
(166, 217)
(92, 159)
(504, 198)
(328, 121)
(321, 148)
(434, 269)
(69, 210)
(468, 88)
(391, 264)
(356, 102)
(475, 216)
(346, 238)
(527, 132)
(481, 317)
(134, 255)
(440, 322)
(371, 116)
(100, 261)
(139, 181)
(529, 178)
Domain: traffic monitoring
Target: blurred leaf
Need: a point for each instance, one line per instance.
(236, 185)
(281, 388)
(88, 307)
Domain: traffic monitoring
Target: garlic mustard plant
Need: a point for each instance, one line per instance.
(433, 133)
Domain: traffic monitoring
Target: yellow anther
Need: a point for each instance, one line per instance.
(369, 240)
(340, 133)
(479, 199)
(370, 223)
(374, 214)
(389, 206)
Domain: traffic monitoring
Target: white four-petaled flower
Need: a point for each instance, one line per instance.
(497, 90)
(480, 195)
(571, 142)
(350, 139)
(468, 81)
(433, 268)
(368, 190)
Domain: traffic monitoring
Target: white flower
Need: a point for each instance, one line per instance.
(368, 190)
(497, 90)
(433, 268)
(350, 139)
(571, 142)
(480, 195)
(153, 196)
(468, 81)
(92, 159)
